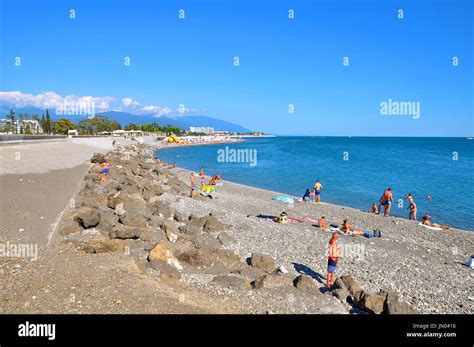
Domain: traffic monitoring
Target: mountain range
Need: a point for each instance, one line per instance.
(124, 118)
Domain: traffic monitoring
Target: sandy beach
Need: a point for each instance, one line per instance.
(107, 255)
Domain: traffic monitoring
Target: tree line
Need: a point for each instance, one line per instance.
(89, 126)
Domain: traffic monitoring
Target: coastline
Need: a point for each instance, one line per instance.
(455, 221)
(423, 267)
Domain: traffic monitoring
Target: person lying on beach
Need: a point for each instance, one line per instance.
(374, 208)
(347, 229)
(386, 201)
(322, 222)
(307, 195)
(426, 221)
(333, 258)
(317, 190)
(283, 219)
(411, 207)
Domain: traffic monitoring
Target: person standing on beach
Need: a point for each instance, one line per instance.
(105, 170)
(192, 179)
(202, 179)
(317, 191)
(411, 207)
(202, 175)
(333, 258)
(386, 201)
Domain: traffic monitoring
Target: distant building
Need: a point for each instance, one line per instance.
(203, 130)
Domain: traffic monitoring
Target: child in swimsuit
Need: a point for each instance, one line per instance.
(322, 222)
(105, 170)
(374, 208)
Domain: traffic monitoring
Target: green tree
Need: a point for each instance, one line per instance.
(171, 129)
(48, 122)
(62, 126)
(43, 123)
(132, 126)
(97, 124)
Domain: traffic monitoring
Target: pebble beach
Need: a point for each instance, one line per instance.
(215, 253)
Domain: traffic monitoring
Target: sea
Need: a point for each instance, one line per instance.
(354, 171)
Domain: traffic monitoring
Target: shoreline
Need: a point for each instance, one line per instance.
(423, 268)
(436, 255)
(453, 228)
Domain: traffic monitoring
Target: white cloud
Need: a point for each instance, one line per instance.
(130, 103)
(53, 100)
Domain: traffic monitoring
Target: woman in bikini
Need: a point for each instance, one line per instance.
(427, 222)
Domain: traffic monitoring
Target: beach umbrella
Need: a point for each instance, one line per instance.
(284, 199)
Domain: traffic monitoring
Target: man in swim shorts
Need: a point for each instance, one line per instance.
(333, 258)
(317, 191)
(386, 201)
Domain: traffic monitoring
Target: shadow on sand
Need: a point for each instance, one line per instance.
(304, 270)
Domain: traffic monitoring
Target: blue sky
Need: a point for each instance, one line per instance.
(282, 61)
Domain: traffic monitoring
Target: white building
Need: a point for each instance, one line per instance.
(204, 130)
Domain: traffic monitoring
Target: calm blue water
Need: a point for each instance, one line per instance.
(421, 166)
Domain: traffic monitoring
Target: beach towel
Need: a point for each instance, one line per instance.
(290, 220)
(208, 189)
(284, 199)
(429, 227)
